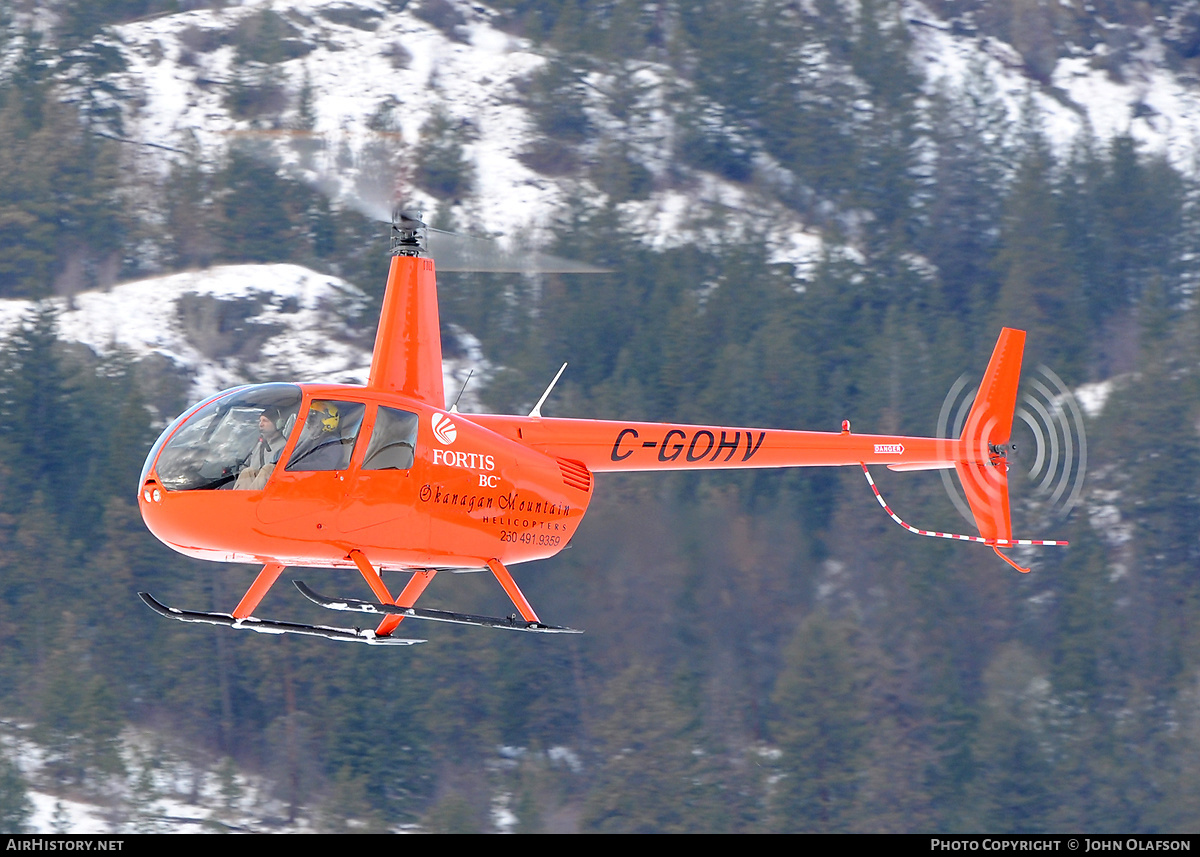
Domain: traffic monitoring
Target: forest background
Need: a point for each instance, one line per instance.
(764, 652)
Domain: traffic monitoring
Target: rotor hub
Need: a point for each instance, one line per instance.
(408, 233)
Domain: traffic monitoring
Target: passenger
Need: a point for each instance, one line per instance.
(321, 445)
(265, 455)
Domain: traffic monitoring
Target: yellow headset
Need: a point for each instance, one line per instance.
(329, 422)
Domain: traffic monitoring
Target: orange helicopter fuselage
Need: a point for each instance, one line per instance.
(470, 495)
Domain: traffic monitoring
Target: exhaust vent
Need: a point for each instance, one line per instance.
(575, 475)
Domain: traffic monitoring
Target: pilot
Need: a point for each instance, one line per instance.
(265, 455)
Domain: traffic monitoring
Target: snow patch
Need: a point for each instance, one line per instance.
(294, 324)
(1092, 397)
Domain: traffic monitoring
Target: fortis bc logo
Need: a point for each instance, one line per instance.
(444, 429)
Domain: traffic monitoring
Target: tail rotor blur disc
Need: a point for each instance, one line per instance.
(1050, 437)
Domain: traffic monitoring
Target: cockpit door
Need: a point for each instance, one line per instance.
(309, 484)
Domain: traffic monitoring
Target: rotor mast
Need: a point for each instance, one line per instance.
(408, 345)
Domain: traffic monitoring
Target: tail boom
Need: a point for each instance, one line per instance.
(612, 446)
(979, 455)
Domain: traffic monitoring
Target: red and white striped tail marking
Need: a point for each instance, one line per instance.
(995, 544)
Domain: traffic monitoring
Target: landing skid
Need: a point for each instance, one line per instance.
(270, 626)
(354, 605)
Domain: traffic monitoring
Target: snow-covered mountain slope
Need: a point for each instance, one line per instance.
(238, 324)
(375, 77)
(163, 788)
(1086, 94)
(361, 78)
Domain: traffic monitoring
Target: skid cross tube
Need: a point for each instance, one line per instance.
(421, 579)
(407, 598)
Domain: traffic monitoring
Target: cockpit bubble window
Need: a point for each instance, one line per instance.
(393, 441)
(327, 440)
(220, 444)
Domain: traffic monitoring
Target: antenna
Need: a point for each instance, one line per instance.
(454, 407)
(537, 409)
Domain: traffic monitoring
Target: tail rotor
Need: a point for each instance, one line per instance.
(983, 421)
(1047, 450)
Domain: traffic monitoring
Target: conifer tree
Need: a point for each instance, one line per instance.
(649, 777)
(256, 212)
(821, 727)
(15, 806)
(1013, 787)
(441, 166)
(40, 425)
(1039, 291)
(964, 195)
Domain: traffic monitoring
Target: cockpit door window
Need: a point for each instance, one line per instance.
(327, 439)
(393, 441)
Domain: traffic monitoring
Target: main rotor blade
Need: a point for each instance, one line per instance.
(373, 197)
(454, 252)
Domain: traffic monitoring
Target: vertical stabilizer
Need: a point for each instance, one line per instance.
(408, 345)
(986, 433)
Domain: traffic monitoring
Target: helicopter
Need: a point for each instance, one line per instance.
(385, 477)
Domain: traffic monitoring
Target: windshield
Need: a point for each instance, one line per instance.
(233, 442)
